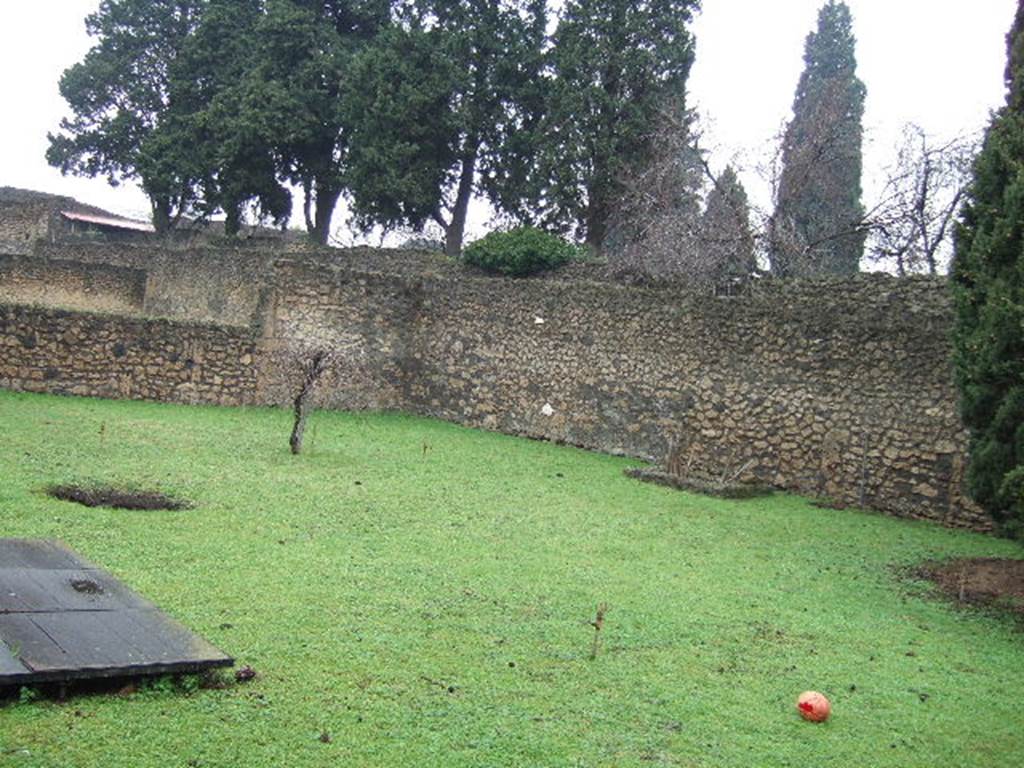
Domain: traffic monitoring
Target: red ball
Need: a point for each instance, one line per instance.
(813, 706)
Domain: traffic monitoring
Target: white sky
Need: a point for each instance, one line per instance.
(936, 62)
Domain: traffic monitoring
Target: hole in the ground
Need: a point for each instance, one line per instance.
(86, 587)
(116, 498)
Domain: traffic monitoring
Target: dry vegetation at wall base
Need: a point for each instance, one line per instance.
(838, 388)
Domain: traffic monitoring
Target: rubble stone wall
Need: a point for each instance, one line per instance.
(835, 388)
(97, 355)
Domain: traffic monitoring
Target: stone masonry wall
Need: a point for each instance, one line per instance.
(841, 389)
(209, 285)
(22, 222)
(71, 284)
(74, 353)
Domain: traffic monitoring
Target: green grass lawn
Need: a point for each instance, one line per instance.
(420, 592)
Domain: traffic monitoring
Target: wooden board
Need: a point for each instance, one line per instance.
(63, 618)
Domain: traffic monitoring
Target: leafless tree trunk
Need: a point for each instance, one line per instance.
(313, 368)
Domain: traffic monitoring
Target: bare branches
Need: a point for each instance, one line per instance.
(312, 366)
(658, 228)
(912, 224)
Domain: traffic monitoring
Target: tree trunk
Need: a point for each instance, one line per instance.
(232, 220)
(326, 198)
(299, 428)
(596, 221)
(456, 229)
(312, 370)
(307, 202)
(161, 214)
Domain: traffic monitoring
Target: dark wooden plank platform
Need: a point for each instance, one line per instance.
(63, 618)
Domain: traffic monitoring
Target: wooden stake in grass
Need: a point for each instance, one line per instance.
(597, 624)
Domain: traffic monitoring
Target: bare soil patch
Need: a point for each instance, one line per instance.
(116, 498)
(980, 581)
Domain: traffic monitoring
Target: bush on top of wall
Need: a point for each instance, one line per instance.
(520, 252)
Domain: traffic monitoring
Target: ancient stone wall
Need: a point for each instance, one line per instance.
(841, 389)
(22, 222)
(224, 286)
(365, 315)
(71, 284)
(838, 389)
(77, 353)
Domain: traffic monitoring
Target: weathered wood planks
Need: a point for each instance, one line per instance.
(63, 618)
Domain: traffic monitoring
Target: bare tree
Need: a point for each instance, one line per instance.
(911, 226)
(658, 228)
(655, 226)
(312, 366)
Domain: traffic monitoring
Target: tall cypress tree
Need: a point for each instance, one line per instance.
(126, 122)
(988, 281)
(816, 228)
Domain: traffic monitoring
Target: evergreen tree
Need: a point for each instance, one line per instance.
(216, 79)
(817, 227)
(615, 64)
(988, 280)
(305, 49)
(726, 234)
(438, 111)
(126, 123)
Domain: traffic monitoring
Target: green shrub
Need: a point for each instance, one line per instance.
(519, 252)
(988, 281)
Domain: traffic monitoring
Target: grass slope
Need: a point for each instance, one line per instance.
(421, 593)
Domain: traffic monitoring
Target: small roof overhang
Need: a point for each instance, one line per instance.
(114, 222)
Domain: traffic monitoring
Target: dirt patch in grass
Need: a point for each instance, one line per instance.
(116, 498)
(989, 582)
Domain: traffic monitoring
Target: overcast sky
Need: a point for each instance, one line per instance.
(935, 62)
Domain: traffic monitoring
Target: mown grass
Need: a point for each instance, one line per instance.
(420, 593)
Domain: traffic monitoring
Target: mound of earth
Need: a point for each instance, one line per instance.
(697, 484)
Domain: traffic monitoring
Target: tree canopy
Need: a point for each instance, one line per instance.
(817, 227)
(988, 281)
(406, 107)
(126, 123)
(613, 64)
(440, 98)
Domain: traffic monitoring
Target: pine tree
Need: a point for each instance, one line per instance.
(988, 281)
(817, 225)
(726, 234)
